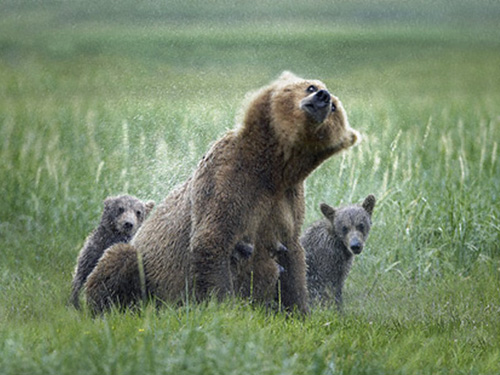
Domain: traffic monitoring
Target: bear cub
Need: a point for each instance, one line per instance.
(331, 245)
(121, 217)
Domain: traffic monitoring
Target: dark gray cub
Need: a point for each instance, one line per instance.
(330, 246)
(121, 218)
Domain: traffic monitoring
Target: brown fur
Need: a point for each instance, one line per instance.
(248, 187)
(127, 286)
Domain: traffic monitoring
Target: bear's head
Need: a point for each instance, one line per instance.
(302, 114)
(351, 225)
(124, 214)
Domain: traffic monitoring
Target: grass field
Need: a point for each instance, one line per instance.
(100, 98)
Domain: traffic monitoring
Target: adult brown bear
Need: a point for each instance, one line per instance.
(247, 188)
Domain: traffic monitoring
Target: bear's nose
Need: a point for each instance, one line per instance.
(356, 246)
(128, 225)
(322, 98)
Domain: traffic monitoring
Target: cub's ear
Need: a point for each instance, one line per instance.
(107, 202)
(287, 76)
(149, 207)
(328, 211)
(369, 204)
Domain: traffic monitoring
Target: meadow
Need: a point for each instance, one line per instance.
(101, 98)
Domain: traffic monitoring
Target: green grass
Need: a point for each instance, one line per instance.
(100, 98)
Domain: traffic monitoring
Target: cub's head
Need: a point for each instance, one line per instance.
(303, 113)
(351, 224)
(124, 214)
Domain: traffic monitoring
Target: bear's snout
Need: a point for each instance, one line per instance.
(356, 245)
(317, 105)
(322, 98)
(127, 223)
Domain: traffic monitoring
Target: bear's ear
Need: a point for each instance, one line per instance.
(369, 204)
(352, 137)
(287, 76)
(107, 202)
(149, 207)
(328, 211)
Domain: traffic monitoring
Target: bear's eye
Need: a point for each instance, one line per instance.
(121, 210)
(138, 213)
(345, 230)
(333, 107)
(361, 227)
(312, 88)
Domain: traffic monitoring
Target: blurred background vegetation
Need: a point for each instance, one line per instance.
(104, 97)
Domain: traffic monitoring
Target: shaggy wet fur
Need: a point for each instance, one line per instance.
(248, 187)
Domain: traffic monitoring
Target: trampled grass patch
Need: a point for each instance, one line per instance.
(98, 100)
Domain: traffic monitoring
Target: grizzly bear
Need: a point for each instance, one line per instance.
(248, 187)
(121, 217)
(122, 261)
(331, 245)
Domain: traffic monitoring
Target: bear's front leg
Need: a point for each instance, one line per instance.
(211, 265)
(338, 297)
(293, 285)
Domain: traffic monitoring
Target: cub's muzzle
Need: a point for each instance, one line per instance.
(127, 223)
(317, 105)
(356, 246)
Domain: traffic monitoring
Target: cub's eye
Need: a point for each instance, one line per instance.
(121, 210)
(334, 107)
(361, 227)
(138, 213)
(345, 230)
(312, 88)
